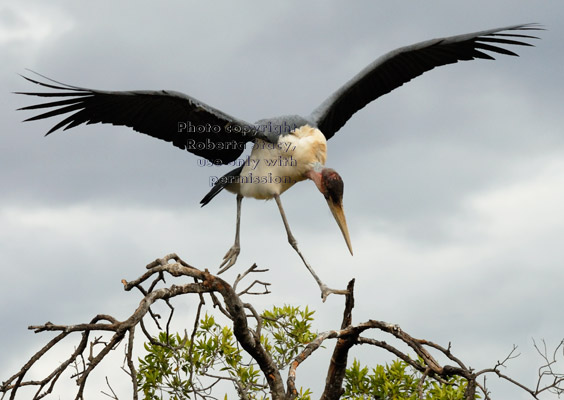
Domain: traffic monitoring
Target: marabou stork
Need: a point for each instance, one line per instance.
(299, 143)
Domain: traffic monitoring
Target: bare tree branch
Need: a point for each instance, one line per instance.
(338, 365)
(91, 351)
(205, 283)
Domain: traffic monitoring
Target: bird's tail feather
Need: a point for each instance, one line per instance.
(220, 185)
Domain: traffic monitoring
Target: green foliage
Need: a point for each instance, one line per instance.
(289, 331)
(176, 368)
(164, 367)
(398, 381)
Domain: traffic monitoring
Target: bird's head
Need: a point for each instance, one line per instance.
(331, 186)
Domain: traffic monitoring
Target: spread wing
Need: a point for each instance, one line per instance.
(184, 121)
(401, 65)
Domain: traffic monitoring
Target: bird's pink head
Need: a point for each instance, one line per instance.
(331, 186)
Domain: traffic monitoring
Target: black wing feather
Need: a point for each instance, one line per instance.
(400, 66)
(160, 114)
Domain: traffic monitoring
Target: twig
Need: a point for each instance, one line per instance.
(113, 395)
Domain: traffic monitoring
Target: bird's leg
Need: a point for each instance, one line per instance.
(325, 290)
(231, 256)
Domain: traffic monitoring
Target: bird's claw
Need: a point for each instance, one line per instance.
(229, 259)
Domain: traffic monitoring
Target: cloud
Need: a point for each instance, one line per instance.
(453, 183)
(20, 24)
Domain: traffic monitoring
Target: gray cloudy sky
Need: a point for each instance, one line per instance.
(454, 182)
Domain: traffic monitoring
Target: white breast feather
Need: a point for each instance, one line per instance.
(274, 168)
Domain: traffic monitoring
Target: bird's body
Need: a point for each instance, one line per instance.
(273, 168)
(286, 149)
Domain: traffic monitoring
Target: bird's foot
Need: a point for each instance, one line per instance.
(326, 291)
(229, 259)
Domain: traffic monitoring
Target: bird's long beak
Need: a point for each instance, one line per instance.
(339, 214)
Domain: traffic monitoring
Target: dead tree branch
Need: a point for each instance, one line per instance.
(349, 335)
(247, 325)
(173, 265)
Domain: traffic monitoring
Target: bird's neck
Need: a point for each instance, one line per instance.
(315, 174)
